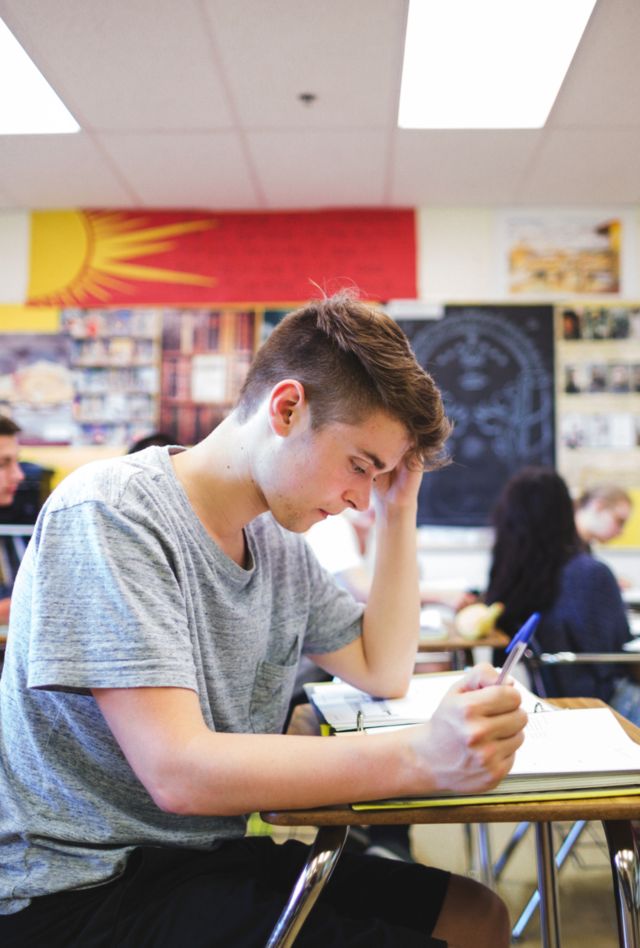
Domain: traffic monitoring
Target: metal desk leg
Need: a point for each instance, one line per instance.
(626, 879)
(458, 659)
(320, 863)
(569, 842)
(504, 857)
(547, 887)
(482, 864)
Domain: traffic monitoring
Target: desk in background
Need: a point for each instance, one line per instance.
(631, 595)
(14, 538)
(456, 648)
(616, 814)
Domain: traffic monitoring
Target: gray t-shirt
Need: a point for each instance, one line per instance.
(121, 586)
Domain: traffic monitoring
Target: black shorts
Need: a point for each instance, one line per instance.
(232, 898)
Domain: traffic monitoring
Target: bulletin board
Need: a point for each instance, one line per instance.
(598, 393)
(494, 366)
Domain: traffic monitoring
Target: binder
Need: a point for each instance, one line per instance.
(566, 754)
(338, 703)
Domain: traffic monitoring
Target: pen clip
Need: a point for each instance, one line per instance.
(518, 646)
(525, 632)
(359, 721)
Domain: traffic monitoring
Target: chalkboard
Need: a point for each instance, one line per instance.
(494, 367)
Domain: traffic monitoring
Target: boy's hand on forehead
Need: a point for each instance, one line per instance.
(399, 487)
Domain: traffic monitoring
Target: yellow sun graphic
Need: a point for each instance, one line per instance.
(79, 256)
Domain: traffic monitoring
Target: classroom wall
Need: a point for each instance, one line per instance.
(454, 558)
(14, 256)
(458, 259)
(459, 253)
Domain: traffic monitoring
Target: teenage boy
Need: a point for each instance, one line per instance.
(11, 474)
(160, 613)
(601, 513)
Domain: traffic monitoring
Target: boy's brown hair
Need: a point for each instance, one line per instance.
(8, 428)
(352, 360)
(607, 495)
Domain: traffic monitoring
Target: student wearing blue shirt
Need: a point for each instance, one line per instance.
(539, 563)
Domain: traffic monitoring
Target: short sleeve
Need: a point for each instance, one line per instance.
(106, 609)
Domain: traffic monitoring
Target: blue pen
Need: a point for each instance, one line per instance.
(518, 645)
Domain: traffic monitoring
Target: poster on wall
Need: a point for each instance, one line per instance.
(36, 387)
(494, 367)
(561, 252)
(95, 258)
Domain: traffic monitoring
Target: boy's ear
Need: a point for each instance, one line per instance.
(287, 406)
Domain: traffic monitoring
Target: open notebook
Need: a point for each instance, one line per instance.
(339, 704)
(567, 752)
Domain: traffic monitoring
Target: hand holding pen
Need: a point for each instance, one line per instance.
(518, 646)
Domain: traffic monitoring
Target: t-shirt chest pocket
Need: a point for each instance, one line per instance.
(272, 690)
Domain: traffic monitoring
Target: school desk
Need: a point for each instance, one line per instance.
(455, 647)
(616, 814)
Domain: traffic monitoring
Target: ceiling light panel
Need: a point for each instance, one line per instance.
(487, 63)
(28, 104)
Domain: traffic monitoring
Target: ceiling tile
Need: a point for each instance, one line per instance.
(194, 170)
(585, 166)
(348, 54)
(140, 64)
(459, 167)
(45, 171)
(314, 168)
(602, 86)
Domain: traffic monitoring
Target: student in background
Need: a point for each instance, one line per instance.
(601, 513)
(11, 475)
(159, 615)
(539, 564)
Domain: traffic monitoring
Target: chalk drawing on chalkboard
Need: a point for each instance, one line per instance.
(495, 371)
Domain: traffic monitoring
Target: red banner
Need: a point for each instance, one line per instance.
(98, 258)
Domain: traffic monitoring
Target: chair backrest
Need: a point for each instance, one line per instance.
(541, 677)
(541, 666)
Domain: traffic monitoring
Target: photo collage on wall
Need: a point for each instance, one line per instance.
(619, 431)
(599, 376)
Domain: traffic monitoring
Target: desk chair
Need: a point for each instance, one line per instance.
(320, 864)
(540, 667)
(540, 671)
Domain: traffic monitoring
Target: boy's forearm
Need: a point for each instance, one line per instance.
(189, 769)
(240, 773)
(392, 615)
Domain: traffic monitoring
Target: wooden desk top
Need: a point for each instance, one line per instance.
(453, 642)
(599, 808)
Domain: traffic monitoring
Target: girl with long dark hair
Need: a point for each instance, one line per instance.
(539, 565)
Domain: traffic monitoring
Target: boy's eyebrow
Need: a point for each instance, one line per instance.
(375, 460)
